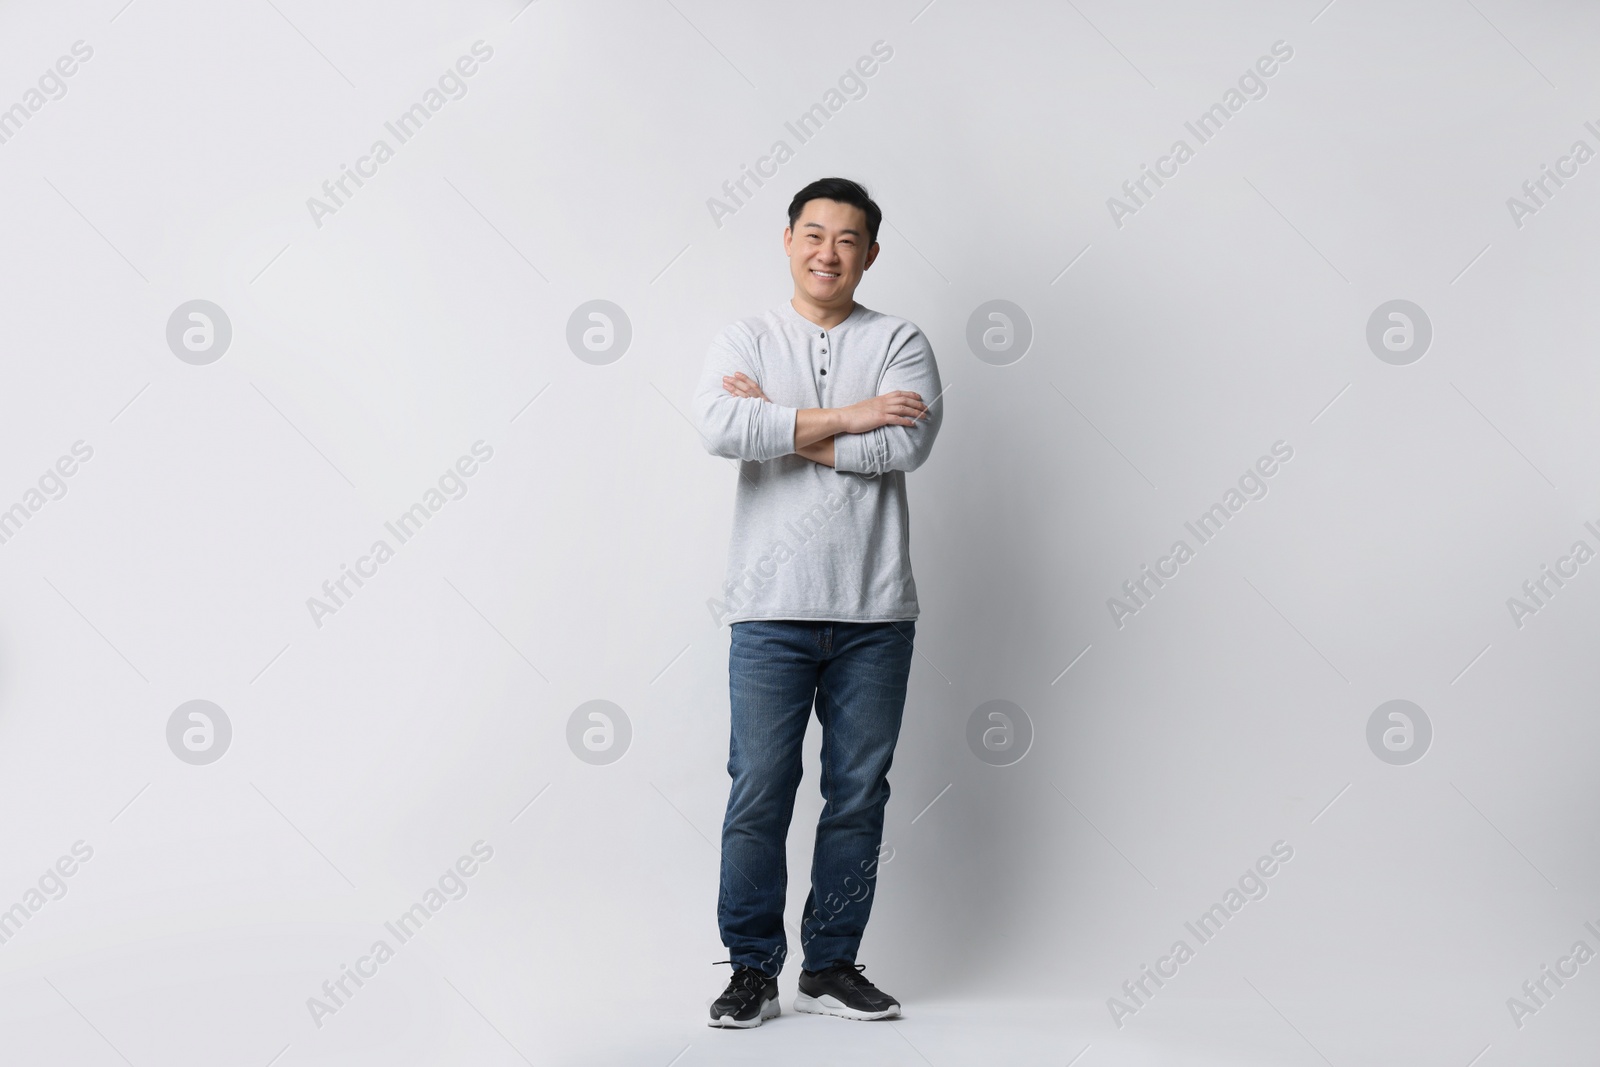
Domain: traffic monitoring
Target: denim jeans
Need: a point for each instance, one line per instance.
(856, 674)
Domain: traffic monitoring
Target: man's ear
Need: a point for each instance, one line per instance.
(788, 235)
(872, 254)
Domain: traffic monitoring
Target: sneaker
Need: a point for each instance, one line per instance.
(844, 991)
(750, 1000)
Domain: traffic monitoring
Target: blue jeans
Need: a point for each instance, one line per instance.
(856, 674)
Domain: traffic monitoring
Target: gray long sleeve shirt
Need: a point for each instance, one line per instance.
(811, 541)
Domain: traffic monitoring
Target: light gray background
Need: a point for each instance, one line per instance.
(369, 353)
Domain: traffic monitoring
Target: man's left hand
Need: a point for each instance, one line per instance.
(741, 385)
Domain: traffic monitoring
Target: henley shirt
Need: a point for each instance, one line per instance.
(811, 541)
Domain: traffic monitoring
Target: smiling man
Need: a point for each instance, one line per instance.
(827, 404)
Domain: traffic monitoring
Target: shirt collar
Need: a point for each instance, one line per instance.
(791, 315)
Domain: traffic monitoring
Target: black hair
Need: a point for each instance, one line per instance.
(844, 191)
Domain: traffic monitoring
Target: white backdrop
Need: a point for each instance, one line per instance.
(401, 345)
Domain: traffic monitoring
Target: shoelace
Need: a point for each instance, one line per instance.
(750, 980)
(850, 974)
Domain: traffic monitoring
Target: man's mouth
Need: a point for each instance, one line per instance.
(826, 275)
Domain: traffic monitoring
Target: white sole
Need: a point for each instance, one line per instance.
(769, 1010)
(828, 1005)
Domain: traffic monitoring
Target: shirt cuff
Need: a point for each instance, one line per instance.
(852, 452)
(778, 430)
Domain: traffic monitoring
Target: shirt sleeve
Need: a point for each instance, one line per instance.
(739, 427)
(901, 448)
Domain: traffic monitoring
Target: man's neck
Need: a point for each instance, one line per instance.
(827, 318)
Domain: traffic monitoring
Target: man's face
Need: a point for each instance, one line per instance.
(828, 251)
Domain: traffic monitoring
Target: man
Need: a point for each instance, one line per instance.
(827, 404)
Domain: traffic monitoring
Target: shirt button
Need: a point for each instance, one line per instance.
(824, 370)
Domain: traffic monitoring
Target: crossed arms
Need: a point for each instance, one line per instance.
(892, 431)
(816, 428)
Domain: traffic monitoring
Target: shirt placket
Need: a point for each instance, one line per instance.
(823, 344)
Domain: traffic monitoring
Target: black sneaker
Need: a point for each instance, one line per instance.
(750, 1000)
(844, 991)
